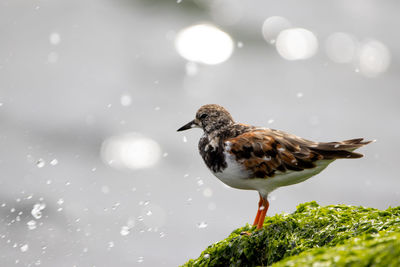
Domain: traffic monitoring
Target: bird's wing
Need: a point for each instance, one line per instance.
(265, 151)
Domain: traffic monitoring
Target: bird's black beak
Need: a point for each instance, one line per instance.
(188, 126)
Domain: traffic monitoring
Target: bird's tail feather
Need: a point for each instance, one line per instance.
(343, 149)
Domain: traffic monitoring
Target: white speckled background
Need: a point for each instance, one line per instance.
(61, 99)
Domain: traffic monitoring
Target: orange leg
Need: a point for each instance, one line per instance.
(258, 212)
(264, 207)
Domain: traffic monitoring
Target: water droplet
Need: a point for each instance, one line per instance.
(55, 38)
(200, 182)
(206, 256)
(31, 224)
(184, 139)
(40, 163)
(12, 210)
(149, 213)
(37, 210)
(126, 100)
(165, 155)
(299, 95)
(60, 201)
(207, 192)
(240, 44)
(116, 205)
(157, 108)
(24, 248)
(162, 234)
(54, 162)
(125, 230)
(48, 182)
(140, 259)
(110, 245)
(202, 225)
(271, 121)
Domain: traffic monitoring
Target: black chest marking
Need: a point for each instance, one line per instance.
(212, 153)
(212, 148)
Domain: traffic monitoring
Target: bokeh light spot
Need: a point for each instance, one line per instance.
(130, 151)
(374, 58)
(154, 216)
(204, 43)
(272, 26)
(55, 38)
(126, 100)
(296, 44)
(341, 47)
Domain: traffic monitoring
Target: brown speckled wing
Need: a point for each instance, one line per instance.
(265, 151)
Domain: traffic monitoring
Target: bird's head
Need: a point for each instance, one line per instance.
(210, 118)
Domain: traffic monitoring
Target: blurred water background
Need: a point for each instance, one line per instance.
(93, 172)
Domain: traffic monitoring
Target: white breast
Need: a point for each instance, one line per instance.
(266, 186)
(236, 176)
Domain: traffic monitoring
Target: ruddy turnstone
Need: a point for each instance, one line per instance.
(255, 158)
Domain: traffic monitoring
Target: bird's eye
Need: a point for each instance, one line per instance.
(203, 116)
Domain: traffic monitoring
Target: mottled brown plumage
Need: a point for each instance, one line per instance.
(262, 159)
(265, 151)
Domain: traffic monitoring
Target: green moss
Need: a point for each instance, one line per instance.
(382, 249)
(310, 228)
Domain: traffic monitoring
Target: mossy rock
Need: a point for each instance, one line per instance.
(336, 235)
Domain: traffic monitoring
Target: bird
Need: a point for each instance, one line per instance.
(256, 158)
